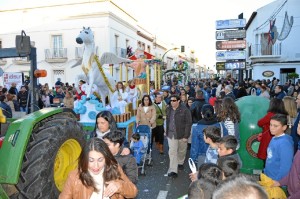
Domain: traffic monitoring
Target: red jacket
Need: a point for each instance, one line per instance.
(266, 136)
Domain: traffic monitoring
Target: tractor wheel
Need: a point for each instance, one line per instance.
(52, 152)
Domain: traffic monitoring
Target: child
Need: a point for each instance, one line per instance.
(292, 180)
(114, 141)
(211, 136)
(227, 148)
(229, 165)
(280, 150)
(201, 189)
(136, 147)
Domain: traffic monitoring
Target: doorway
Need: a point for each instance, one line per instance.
(284, 72)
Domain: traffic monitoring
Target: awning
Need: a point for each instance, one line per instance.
(146, 54)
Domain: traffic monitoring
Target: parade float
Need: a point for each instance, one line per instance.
(100, 85)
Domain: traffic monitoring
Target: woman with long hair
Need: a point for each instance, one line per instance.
(290, 106)
(105, 123)
(98, 175)
(230, 116)
(146, 113)
(132, 91)
(275, 106)
(69, 100)
(119, 98)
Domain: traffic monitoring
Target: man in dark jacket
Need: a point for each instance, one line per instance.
(241, 92)
(13, 89)
(178, 125)
(114, 141)
(23, 99)
(197, 105)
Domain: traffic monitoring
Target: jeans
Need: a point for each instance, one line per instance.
(23, 109)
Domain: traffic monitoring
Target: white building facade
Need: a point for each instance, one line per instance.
(55, 38)
(273, 41)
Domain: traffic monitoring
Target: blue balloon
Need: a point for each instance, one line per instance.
(92, 115)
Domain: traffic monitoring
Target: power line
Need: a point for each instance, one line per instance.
(275, 13)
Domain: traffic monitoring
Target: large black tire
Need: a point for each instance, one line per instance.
(37, 172)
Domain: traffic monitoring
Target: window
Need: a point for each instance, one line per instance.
(116, 42)
(143, 46)
(57, 46)
(0, 44)
(148, 49)
(127, 43)
(59, 74)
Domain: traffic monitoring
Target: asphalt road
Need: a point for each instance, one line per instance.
(154, 185)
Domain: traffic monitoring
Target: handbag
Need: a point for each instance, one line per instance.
(160, 116)
(23, 44)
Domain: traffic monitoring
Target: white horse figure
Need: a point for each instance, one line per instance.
(105, 84)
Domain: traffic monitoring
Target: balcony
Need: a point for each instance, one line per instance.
(3, 62)
(56, 55)
(21, 60)
(264, 52)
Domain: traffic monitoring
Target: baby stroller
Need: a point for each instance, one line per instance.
(144, 154)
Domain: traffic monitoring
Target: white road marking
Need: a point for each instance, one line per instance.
(162, 194)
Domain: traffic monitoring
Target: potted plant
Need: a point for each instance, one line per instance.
(293, 76)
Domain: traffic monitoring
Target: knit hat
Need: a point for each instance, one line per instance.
(207, 107)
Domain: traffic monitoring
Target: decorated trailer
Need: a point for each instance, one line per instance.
(38, 150)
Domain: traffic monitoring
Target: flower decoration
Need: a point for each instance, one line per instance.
(180, 65)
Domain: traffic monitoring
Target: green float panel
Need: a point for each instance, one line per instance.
(252, 108)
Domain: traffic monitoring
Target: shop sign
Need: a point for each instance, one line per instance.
(230, 55)
(220, 66)
(230, 34)
(229, 45)
(235, 65)
(268, 73)
(230, 24)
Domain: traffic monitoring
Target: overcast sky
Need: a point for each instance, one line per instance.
(189, 22)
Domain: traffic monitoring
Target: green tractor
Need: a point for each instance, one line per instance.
(38, 150)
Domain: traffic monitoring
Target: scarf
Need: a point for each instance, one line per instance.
(131, 87)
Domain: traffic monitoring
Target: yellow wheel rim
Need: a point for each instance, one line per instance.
(66, 160)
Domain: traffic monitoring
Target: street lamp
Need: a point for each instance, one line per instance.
(162, 58)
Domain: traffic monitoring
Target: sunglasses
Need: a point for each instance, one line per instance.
(173, 100)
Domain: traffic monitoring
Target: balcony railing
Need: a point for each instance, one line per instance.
(56, 55)
(21, 60)
(121, 52)
(265, 50)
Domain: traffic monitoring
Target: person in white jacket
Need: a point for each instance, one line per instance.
(132, 93)
(119, 98)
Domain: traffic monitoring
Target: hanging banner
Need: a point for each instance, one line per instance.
(9, 78)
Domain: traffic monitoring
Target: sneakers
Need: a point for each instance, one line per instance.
(180, 167)
(172, 174)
